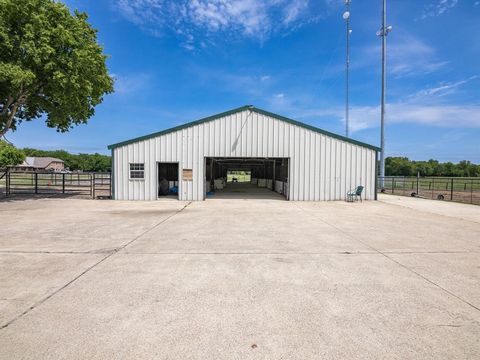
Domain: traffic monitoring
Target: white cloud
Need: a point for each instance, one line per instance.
(429, 107)
(131, 83)
(438, 8)
(443, 89)
(467, 116)
(277, 101)
(364, 117)
(407, 55)
(294, 10)
(194, 19)
(254, 85)
(410, 56)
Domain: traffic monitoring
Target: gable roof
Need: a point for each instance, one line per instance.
(243, 108)
(39, 161)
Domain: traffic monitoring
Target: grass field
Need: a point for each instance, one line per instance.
(455, 189)
(241, 176)
(433, 183)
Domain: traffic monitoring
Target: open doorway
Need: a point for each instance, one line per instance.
(239, 176)
(167, 178)
(244, 178)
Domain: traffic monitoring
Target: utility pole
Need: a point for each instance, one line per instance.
(346, 17)
(383, 32)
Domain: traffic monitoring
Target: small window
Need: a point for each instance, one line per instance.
(137, 171)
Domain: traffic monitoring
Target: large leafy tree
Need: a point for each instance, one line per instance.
(50, 64)
(10, 155)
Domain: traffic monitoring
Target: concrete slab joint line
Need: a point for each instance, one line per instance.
(154, 226)
(294, 278)
(40, 302)
(393, 260)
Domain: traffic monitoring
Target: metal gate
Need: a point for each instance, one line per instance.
(83, 184)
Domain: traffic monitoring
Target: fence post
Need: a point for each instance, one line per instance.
(433, 187)
(7, 182)
(93, 185)
(471, 191)
(63, 183)
(451, 189)
(418, 178)
(36, 182)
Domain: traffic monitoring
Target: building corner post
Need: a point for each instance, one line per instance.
(376, 176)
(112, 177)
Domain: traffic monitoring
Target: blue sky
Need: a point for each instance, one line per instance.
(177, 61)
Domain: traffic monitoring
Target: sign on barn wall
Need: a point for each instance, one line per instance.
(187, 175)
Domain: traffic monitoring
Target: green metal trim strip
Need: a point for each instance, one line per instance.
(315, 129)
(112, 178)
(177, 128)
(376, 175)
(230, 112)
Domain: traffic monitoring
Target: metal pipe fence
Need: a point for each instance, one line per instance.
(465, 190)
(89, 184)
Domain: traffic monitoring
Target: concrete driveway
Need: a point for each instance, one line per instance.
(239, 279)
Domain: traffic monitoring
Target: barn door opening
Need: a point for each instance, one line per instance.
(167, 179)
(245, 178)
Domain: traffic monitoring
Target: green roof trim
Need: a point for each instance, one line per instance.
(243, 108)
(318, 130)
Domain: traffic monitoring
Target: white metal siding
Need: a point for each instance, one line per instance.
(321, 167)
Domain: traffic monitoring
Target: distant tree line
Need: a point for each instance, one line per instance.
(84, 162)
(402, 166)
(10, 155)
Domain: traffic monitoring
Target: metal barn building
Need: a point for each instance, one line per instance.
(296, 160)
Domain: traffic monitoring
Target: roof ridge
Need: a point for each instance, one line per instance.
(242, 108)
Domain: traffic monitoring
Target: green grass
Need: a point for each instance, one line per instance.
(437, 184)
(242, 176)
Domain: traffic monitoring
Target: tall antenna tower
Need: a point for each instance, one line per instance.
(346, 17)
(383, 32)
